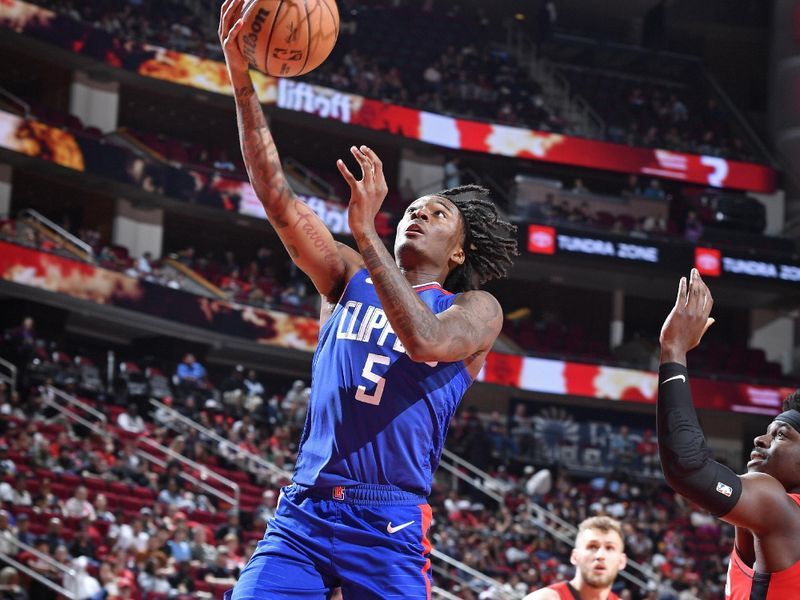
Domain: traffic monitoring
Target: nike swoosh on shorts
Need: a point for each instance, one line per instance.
(391, 529)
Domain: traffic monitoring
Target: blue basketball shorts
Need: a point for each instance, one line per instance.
(370, 540)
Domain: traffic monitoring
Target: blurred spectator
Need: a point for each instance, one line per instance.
(653, 190)
(255, 392)
(7, 466)
(153, 578)
(693, 228)
(295, 404)
(202, 553)
(10, 588)
(632, 187)
(190, 373)
(144, 264)
(231, 526)
(234, 388)
(180, 549)
(18, 495)
(53, 535)
(578, 187)
(79, 506)
(219, 573)
(23, 336)
(23, 532)
(83, 545)
(452, 173)
(130, 420)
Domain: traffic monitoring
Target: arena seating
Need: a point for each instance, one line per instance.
(124, 492)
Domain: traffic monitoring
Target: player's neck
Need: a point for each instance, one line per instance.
(423, 274)
(588, 592)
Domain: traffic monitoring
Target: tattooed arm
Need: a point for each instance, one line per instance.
(468, 328)
(309, 243)
(465, 331)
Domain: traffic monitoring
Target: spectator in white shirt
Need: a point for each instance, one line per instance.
(79, 506)
(130, 420)
(18, 494)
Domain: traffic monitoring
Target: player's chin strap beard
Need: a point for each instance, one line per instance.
(790, 417)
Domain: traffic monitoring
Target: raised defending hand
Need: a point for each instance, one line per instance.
(366, 194)
(689, 318)
(230, 23)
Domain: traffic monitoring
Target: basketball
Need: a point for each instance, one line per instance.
(287, 38)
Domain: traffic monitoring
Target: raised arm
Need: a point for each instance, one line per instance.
(307, 240)
(469, 327)
(755, 501)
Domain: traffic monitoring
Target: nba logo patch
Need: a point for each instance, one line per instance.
(338, 492)
(723, 489)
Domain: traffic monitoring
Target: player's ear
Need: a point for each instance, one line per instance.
(623, 561)
(572, 558)
(458, 256)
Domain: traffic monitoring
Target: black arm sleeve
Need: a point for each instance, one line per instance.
(685, 458)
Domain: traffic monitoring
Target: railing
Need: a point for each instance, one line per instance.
(204, 472)
(258, 460)
(574, 106)
(79, 403)
(175, 416)
(541, 517)
(492, 583)
(712, 82)
(26, 108)
(440, 593)
(326, 189)
(55, 228)
(206, 287)
(480, 476)
(11, 378)
(37, 576)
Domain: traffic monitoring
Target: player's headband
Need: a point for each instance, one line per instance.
(790, 417)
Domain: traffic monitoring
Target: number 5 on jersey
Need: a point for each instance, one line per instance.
(366, 373)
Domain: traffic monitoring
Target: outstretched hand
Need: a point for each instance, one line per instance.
(366, 194)
(689, 319)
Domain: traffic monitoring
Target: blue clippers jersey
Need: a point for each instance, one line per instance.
(374, 415)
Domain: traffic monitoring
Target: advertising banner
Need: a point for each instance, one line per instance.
(446, 131)
(61, 275)
(53, 273)
(673, 255)
(616, 383)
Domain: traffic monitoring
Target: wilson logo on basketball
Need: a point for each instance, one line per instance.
(708, 261)
(541, 239)
(250, 40)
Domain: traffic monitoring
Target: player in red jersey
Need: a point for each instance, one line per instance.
(764, 503)
(598, 555)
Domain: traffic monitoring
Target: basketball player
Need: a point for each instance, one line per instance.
(598, 555)
(395, 355)
(764, 503)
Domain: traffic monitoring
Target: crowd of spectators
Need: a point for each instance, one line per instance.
(169, 538)
(255, 281)
(258, 282)
(471, 80)
(658, 118)
(463, 81)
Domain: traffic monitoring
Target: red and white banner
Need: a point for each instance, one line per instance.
(441, 130)
(614, 383)
(30, 267)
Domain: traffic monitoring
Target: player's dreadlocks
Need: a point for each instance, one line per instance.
(792, 401)
(489, 241)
